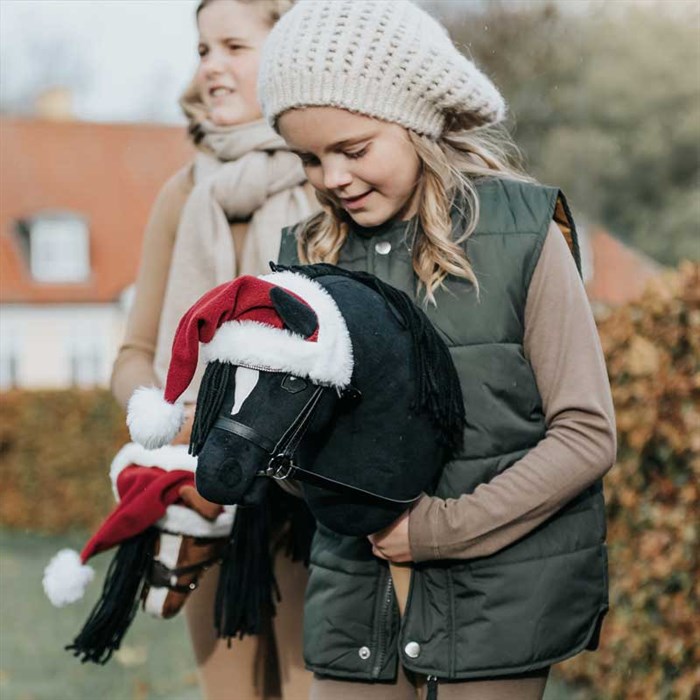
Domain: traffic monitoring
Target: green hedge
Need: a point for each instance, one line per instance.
(55, 451)
(649, 646)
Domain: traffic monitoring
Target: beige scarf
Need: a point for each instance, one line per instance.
(250, 176)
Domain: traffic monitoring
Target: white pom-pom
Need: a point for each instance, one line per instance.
(152, 421)
(66, 578)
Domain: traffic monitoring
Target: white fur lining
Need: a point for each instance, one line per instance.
(185, 521)
(327, 361)
(168, 457)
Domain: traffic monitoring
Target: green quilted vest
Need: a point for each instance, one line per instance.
(539, 600)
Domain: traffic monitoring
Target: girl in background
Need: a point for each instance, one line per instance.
(219, 217)
(507, 569)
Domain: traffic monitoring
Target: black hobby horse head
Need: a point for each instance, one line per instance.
(351, 391)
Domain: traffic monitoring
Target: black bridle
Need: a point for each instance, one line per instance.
(281, 464)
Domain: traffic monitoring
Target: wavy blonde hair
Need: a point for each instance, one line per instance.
(448, 168)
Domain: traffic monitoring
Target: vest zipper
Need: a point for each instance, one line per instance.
(432, 683)
(386, 607)
(451, 637)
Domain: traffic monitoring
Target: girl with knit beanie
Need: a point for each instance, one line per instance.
(219, 217)
(500, 571)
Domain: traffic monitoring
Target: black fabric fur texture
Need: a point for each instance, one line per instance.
(297, 317)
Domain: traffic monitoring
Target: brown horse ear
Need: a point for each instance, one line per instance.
(298, 317)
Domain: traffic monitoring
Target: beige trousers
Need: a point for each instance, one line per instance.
(410, 687)
(266, 667)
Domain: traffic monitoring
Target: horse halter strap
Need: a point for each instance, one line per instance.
(160, 576)
(281, 464)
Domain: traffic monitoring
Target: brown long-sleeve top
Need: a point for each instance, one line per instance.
(560, 341)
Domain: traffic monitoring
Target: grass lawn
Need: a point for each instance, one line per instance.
(155, 660)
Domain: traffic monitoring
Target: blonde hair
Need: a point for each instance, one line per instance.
(271, 10)
(449, 167)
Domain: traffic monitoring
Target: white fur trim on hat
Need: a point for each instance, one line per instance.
(327, 361)
(383, 58)
(152, 421)
(66, 578)
(168, 458)
(181, 520)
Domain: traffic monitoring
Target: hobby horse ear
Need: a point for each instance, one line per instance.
(297, 316)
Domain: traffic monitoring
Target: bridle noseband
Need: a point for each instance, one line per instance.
(281, 463)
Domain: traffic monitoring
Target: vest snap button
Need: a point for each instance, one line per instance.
(412, 649)
(364, 653)
(383, 247)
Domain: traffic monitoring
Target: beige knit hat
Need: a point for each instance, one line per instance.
(383, 58)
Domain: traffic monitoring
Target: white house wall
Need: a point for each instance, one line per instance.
(58, 345)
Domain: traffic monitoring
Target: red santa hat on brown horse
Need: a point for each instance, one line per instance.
(165, 534)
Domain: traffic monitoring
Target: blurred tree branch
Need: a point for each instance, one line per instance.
(604, 101)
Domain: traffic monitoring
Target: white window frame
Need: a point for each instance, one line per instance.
(85, 358)
(59, 248)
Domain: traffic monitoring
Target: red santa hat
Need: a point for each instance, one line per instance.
(281, 322)
(147, 485)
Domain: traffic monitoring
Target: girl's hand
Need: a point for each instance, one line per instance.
(183, 437)
(391, 543)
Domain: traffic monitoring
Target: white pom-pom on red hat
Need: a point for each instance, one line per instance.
(66, 578)
(147, 486)
(153, 421)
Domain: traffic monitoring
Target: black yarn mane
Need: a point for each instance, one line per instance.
(209, 399)
(438, 391)
(247, 593)
(123, 587)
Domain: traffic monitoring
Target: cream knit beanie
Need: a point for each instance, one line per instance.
(383, 58)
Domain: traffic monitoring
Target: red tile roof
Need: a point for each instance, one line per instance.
(620, 273)
(109, 173)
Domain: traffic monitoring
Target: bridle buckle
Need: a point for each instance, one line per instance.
(279, 467)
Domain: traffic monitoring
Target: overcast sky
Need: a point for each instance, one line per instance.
(129, 59)
(124, 60)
